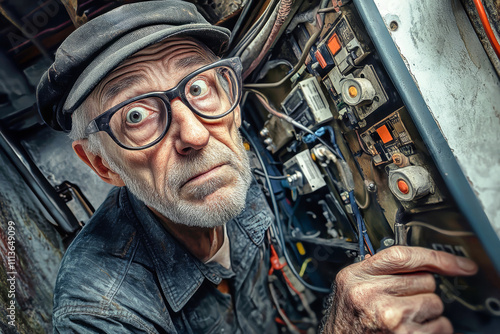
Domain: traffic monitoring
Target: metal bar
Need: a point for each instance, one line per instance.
(39, 185)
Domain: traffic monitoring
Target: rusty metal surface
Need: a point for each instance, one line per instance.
(459, 86)
(38, 249)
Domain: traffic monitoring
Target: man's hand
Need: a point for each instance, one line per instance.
(393, 292)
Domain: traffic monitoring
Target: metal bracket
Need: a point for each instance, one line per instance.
(72, 9)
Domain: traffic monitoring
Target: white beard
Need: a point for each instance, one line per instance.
(217, 211)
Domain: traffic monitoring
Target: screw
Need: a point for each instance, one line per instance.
(400, 159)
(393, 25)
(345, 197)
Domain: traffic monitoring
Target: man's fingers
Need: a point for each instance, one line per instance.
(400, 260)
(440, 325)
(426, 307)
(409, 284)
(410, 312)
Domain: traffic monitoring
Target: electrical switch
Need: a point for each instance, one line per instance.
(385, 134)
(320, 59)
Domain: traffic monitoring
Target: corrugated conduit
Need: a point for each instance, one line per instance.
(284, 9)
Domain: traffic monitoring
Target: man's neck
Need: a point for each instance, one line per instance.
(202, 242)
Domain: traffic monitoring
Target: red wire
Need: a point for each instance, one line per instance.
(366, 243)
(290, 283)
(487, 26)
(62, 25)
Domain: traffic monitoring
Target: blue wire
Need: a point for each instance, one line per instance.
(362, 234)
(354, 206)
(310, 138)
(334, 141)
(361, 226)
(359, 219)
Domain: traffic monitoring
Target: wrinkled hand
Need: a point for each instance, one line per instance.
(393, 292)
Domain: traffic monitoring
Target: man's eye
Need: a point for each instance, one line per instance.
(136, 115)
(197, 88)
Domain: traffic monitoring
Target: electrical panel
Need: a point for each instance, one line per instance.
(362, 162)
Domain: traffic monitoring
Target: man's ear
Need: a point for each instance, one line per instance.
(237, 116)
(98, 165)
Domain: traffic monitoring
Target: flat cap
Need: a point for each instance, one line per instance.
(93, 50)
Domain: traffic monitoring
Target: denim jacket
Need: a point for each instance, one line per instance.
(124, 273)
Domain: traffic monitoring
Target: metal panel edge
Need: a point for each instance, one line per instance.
(446, 163)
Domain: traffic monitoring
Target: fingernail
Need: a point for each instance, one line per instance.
(466, 264)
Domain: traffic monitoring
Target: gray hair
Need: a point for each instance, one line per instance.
(80, 119)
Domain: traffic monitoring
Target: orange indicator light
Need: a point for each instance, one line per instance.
(403, 186)
(353, 92)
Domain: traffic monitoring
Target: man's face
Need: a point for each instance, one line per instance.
(198, 175)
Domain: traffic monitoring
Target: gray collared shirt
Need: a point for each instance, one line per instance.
(125, 273)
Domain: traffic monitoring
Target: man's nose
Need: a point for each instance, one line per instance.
(190, 132)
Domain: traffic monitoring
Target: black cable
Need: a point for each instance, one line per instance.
(292, 214)
(272, 177)
(266, 175)
(240, 20)
(253, 31)
(296, 68)
(302, 59)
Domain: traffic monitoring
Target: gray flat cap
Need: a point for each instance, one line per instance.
(92, 51)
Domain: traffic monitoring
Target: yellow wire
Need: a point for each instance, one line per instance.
(304, 266)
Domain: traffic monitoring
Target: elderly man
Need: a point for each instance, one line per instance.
(179, 245)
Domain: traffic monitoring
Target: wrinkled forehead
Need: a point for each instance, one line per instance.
(169, 51)
(175, 56)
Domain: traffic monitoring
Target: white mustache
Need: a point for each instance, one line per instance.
(200, 162)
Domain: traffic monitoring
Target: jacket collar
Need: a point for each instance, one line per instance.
(180, 274)
(178, 271)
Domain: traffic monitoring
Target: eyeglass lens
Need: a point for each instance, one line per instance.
(139, 123)
(210, 93)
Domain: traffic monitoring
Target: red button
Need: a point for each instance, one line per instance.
(403, 186)
(321, 60)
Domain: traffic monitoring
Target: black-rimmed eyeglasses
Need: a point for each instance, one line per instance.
(211, 92)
